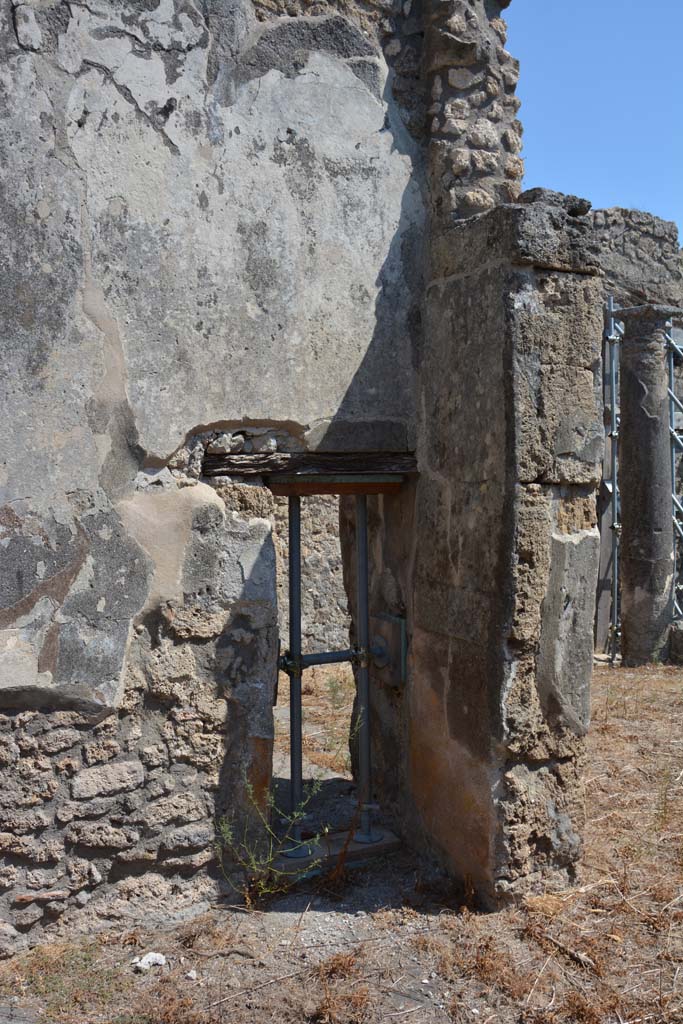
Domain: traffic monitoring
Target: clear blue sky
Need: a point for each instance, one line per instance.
(602, 99)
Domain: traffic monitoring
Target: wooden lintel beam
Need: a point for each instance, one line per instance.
(269, 464)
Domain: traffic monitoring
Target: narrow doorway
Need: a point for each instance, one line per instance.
(324, 812)
(328, 691)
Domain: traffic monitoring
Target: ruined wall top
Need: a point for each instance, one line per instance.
(640, 256)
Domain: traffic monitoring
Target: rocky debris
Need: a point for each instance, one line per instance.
(245, 440)
(11, 941)
(162, 478)
(225, 443)
(149, 960)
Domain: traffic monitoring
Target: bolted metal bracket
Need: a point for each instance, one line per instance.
(389, 650)
(379, 652)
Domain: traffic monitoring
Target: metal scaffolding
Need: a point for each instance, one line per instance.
(293, 662)
(613, 334)
(675, 355)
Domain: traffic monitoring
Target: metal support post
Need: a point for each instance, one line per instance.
(675, 405)
(613, 341)
(366, 832)
(293, 662)
(296, 785)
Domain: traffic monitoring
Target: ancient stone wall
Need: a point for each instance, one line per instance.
(100, 791)
(640, 256)
(641, 261)
(475, 137)
(210, 223)
(325, 619)
(492, 554)
(218, 221)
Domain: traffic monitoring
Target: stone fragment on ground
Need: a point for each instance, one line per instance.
(149, 960)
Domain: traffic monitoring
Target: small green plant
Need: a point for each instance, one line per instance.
(253, 847)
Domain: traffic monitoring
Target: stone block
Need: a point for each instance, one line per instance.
(502, 580)
(101, 835)
(188, 838)
(565, 654)
(540, 234)
(640, 257)
(59, 739)
(180, 807)
(107, 780)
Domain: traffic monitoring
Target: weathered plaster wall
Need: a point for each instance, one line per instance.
(92, 795)
(191, 239)
(498, 578)
(206, 220)
(214, 219)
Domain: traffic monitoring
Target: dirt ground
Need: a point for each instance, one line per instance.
(391, 941)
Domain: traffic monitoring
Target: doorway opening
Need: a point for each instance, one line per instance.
(361, 827)
(323, 797)
(327, 690)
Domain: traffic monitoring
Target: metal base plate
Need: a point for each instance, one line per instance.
(375, 835)
(334, 846)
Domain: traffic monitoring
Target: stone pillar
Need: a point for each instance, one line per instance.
(645, 486)
(492, 553)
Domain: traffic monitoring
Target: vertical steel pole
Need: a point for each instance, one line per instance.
(676, 505)
(673, 446)
(365, 834)
(614, 440)
(296, 770)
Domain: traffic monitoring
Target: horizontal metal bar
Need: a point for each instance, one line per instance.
(677, 503)
(676, 439)
(328, 657)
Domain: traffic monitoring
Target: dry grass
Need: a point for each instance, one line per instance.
(328, 695)
(611, 949)
(607, 951)
(339, 965)
(74, 976)
(347, 1006)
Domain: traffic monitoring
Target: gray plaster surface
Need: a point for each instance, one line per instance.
(211, 221)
